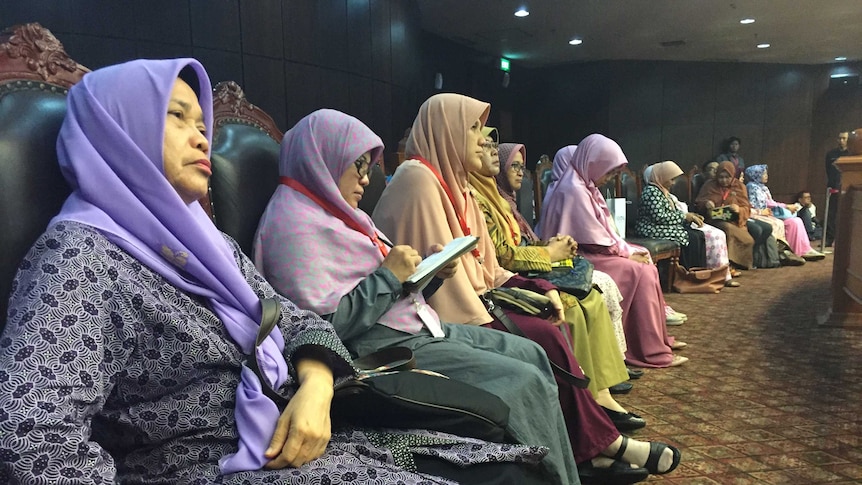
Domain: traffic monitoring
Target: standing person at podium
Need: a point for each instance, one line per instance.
(833, 180)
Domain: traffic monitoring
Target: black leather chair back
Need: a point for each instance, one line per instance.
(32, 189)
(245, 174)
(681, 188)
(697, 182)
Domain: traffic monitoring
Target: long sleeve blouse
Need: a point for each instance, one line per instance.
(659, 218)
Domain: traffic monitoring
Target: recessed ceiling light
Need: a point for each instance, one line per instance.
(576, 41)
(522, 12)
(762, 46)
(746, 21)
(841, 58)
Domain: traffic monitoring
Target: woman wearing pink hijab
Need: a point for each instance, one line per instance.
(575, 206)
(429, 201)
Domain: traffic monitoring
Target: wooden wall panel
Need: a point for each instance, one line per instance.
(359, 57)
(262, 28)
(215, 24)
(264, 85)
(304, 90)
(299, 22)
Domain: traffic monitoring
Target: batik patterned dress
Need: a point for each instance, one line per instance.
(109, 374)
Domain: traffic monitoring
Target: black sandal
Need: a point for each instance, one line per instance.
(656, 449)
(619, 473)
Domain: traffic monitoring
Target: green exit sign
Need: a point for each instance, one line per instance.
(504, 64)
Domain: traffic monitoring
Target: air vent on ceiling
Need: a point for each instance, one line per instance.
(672, 43)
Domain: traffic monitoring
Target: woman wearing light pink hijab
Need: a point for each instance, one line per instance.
(576, 207)
(429, 201)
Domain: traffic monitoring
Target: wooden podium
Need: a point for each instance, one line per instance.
(846, 309)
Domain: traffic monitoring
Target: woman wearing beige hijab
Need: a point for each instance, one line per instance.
(428, 201)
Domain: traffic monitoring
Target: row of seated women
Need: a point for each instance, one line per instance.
(132, 319)
(750, 235)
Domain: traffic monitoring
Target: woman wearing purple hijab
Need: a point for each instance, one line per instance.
(132, 317)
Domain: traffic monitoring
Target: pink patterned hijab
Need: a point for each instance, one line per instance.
(576, 206)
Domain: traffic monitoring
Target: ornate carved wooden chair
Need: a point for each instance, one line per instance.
(35, 76)
(245, 152)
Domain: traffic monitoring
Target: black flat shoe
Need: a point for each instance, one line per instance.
(625, 421)
(635, 373)
(619, 473)
(621, 388)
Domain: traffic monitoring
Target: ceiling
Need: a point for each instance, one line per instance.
(799, 31)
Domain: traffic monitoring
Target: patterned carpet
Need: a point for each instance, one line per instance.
(768, 397)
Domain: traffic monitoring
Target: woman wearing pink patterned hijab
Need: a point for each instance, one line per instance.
(576, 207)
(318, 248)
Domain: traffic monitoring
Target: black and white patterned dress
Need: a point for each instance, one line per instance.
(109, 374)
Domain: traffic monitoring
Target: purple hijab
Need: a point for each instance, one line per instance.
(576, 206)
(110, 151)
(307, 253)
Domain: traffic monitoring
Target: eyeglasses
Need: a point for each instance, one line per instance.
(362, 167)
(490, 145)
(518, 167)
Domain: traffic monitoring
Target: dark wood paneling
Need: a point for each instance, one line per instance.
(220, 65)
(381, 46)
(299, 31)
(688, 96)
(303, 90)
(331, 34)
(359, 37)
(94, 52)
(788, 96)
(55, 15)
(636, 95)
(159, 50)
(101, 18)
(165, 21)
(641, 144)
(381, 115)
(263, 82)
(335, 86)
(739, 93)
(360, 93)
(215, 24)
(783, 145)
(261, 22)
(687, 145)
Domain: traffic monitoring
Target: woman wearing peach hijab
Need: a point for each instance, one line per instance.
(428, 200)
(576, 207)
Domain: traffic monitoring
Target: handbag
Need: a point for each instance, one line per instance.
(574, 276)
(493, 304)
(523, 301)
(389, 392)
(699, 280)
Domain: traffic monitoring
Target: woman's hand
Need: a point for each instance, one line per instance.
(709, 204)
(554, 295)
(695, 218)
(734, 208)
(640, 257)
(794, 208)
(402, 261)
(559, 249)
(450, 269)
(304, 429)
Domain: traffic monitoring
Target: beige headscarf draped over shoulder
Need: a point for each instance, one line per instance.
(415, 210)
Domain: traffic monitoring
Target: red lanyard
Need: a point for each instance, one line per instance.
(335, 211)
(724, 194)
(464, 228)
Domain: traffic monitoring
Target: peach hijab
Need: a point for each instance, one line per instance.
(416, 210)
